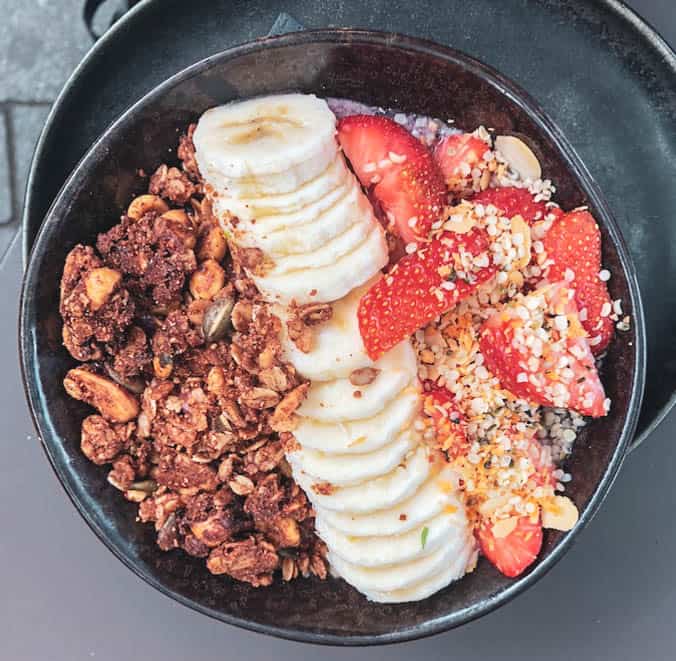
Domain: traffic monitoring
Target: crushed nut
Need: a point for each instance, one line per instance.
(260, 398)
(283, 419)
(241, 485)
(144, 204)
(207, 280)
(363, 376)
(559, 513)
(112, 401)
(274, 378)
(100, 284)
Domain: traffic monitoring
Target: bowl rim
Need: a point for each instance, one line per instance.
(572, 161)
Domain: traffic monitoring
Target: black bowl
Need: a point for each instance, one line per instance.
(389, 70)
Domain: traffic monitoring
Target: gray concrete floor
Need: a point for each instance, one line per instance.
(40, 44)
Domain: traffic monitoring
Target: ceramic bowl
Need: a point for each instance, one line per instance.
(381, 69)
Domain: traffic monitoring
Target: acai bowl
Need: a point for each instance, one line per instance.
(447, 86)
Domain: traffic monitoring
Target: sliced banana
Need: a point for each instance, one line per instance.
(267, 145)
(360, 437)
(320, 191)
(381, 550)
(454, 570)
(328, 283)
(342, 469)
(382, 493)
(327, 254)
(338, 349)
(309, 238)
(386, 505)
(388, 578)
(433, 496)
(272, 234)
(340, 401)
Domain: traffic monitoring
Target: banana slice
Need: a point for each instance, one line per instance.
(390, 549)
(267, 145)
(456, 569)
(384, 492)
(267, 208)
(338, 349)
(341, 199)
(272, 233)
(342, 470)
(345, 214)
(326, 254)
(360, 436)
(328, 283)
(388, 578)
(434, 496)
(336, 401)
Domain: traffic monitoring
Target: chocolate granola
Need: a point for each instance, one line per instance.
(182, 361)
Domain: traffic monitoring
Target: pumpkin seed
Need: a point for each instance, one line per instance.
(147, 486)
(217, 319)
(133, 383)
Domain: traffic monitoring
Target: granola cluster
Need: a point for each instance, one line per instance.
(182, 361)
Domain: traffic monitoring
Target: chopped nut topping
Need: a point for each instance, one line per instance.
(363, 376)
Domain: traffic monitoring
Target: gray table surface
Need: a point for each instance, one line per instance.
(64, 597)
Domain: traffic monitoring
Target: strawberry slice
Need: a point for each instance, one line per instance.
(539, 351)
(457, 155)
(513, 201)
(516, 551)
(421, 286)
(398, 169)
(449, 423)
(573, 246)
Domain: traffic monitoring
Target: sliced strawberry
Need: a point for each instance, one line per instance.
(539, 351)
(513, 201)
(573, 246)
(420, 287)
(516, 551)
(404, 178)
(457, 155)
(449, 423)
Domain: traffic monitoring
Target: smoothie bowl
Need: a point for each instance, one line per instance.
(331, 336)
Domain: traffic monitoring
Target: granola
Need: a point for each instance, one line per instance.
(182, 361)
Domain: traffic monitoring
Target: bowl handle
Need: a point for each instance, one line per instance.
(90, 8)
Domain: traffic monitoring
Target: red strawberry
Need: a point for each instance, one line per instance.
(515, 552)
(420, 287)
(513, 201)
(538, 350)
(449, 422)
(406, 182)
(457, 155)
(573, 245)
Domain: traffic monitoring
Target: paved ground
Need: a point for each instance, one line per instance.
(41, 42)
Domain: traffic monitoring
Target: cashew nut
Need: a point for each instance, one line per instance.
(113, 402)
(100, 284)
(143, 204)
